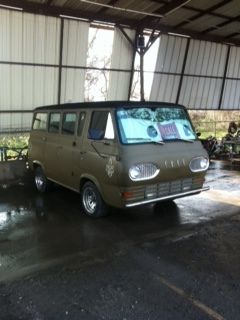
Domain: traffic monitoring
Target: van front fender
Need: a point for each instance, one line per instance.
(87, 177)
(37, 163)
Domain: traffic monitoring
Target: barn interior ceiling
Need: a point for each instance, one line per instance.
(211, 20)
(40, 64)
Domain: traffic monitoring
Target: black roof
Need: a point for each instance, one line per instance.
(106, 104)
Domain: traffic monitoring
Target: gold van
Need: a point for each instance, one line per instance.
(119, 154)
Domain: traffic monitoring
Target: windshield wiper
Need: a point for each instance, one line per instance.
(147, 140)
(184, 140)
(157, 142)
(138, 139)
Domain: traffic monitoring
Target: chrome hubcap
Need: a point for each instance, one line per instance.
(89, 200)
(39, 181)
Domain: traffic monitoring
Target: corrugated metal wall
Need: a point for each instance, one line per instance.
(75, 46)
(29, 38)
(168, 68)
(198, 74)
(31, 62)
(29, 55)
(203, 75)
(28, 43)
(231, 94)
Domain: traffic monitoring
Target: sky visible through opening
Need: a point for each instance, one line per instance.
(99, 56)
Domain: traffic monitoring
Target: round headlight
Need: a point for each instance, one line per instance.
(143, 171)
(204, 163)
(134, 172)
(199, 164)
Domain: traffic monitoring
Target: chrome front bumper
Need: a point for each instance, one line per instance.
(168, 197)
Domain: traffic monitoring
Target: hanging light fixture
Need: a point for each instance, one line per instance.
(141, 41)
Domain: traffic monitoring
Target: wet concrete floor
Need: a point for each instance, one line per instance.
(171, 261)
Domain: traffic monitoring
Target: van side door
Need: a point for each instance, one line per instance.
(51, 157)
(79, 151)
(99, 160)
(67, 145)
(38, 137)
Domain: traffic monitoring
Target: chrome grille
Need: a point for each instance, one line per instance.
(175, 187)
(164, 189)
(151, 191)
(187, 184)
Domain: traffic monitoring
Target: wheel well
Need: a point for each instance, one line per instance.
(88, 179)
(36, 165)
(82, 182)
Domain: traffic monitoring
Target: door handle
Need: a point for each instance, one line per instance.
(74, 144)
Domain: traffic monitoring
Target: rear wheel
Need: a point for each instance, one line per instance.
(92, 202)
(41, 182)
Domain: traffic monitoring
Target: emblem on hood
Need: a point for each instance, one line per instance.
(175, 163)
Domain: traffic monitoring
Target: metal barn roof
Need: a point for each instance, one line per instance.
(213, 20)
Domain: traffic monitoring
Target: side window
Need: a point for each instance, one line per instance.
(81, 122)
(101, 126)
(68, 123)
(40, 121)
(54, 122)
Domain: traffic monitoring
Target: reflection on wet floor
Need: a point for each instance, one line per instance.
(36, 228)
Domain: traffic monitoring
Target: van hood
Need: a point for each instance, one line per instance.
(172, 159)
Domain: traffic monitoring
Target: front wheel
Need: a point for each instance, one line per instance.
(41, 182)
(92, 202)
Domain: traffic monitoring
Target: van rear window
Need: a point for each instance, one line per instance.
(40, 121)
(69, 122)
(54, 122)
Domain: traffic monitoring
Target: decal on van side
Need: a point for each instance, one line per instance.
(110, 167)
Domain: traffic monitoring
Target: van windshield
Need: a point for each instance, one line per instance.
(159, 125)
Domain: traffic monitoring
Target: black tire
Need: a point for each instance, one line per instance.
(41, 182)
(40, 207)
(92, 202)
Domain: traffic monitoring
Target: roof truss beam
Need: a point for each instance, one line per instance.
(171, 6)
(220, 25)
(52, 10)
(110, 3)
(165, 10)
(194, 35)
(197, 10)
(201, 14)
(232, 35)
(150, 23)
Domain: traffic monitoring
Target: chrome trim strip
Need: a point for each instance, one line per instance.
(172, 196)
(63, 185)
